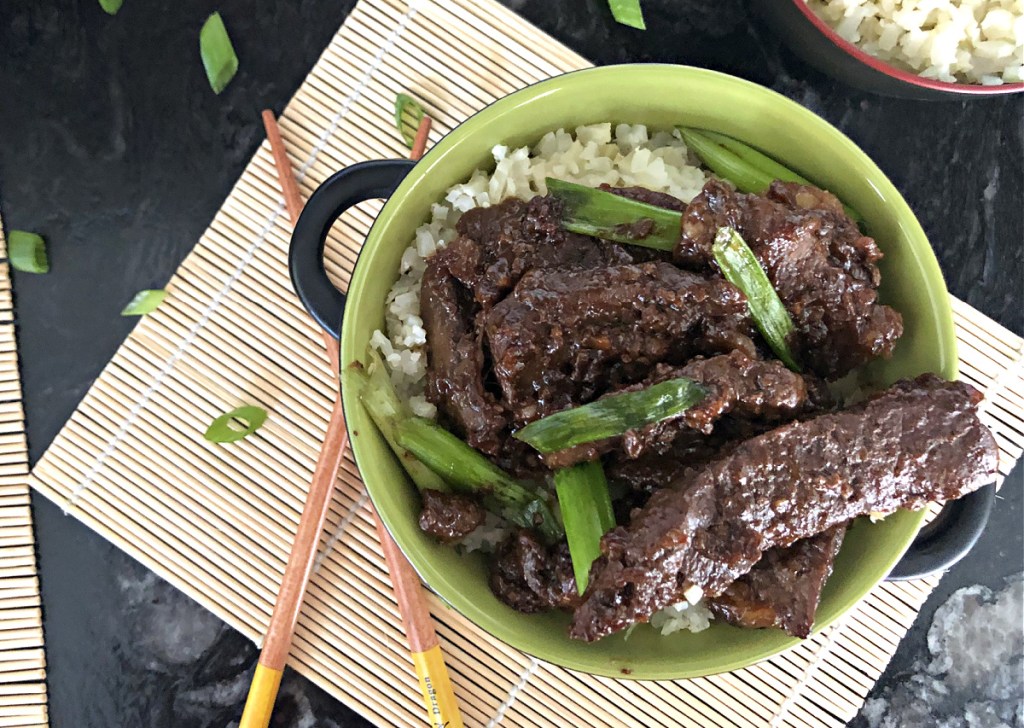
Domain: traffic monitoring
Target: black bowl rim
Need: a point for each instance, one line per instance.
(899, 74)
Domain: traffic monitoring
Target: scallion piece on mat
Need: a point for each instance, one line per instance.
(590, 211)
(27, 252)
(144, 302)
(372, 386)
(611, 416)
(408, 115)
(469, 471)
(226, 429)
(587, 512)
(111, 6)
(742, 268)
(628, 12)
(218, 54)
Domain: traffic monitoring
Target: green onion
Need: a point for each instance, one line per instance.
(726, 164)
(587, 512)
(144, 302)
(611, 416)
(469, 471)
(755, 158)
(372, 386)
(111, 6)
(602, 214)
(628, 12)
(223, 429)
(408, 115)
(27, 252)
(741, 268)
(747, 168)
(217, 53)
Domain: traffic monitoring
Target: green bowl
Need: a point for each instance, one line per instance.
(661, 97)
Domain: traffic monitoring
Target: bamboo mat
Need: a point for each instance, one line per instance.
(218, 521)
(22, 662)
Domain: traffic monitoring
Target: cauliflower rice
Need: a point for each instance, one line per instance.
(623, 155)
(977, 41)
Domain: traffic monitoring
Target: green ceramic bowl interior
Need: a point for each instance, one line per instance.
(659, 96)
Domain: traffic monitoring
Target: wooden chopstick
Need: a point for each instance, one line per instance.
(285, 178)
(438, 696)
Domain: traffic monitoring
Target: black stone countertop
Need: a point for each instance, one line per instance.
(114, 148)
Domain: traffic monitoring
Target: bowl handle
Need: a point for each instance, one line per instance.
(350, 186)
(948, 538)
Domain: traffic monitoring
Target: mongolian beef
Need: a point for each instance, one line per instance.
(654, 355)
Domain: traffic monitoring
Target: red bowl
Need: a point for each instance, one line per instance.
(816, 42)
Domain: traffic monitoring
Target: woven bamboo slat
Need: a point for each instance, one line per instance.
(22, 663)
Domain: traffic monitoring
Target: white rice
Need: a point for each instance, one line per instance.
(977, 41)
(592, 155)
(693, 617)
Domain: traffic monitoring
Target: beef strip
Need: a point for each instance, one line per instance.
(823, 269)
(455, 357)
(737, 386)
(530, 577)
(449, 517)
(565, 337)
(499, 244)
(918, 441)
(784, 587)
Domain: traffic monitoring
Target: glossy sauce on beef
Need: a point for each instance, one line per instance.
(823, 268)
(917, 442)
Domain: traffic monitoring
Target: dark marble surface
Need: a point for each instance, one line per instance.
(113, 146)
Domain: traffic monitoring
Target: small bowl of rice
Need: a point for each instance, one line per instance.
(925, 49)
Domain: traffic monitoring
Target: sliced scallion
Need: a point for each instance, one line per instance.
(742, 268)
(218, 54)
(27, 252)
(611, 416)
(469, 471)
(755, 158)
(587, 513)
(408, 114)
(372, 386)
(226, 428)
(605, 215)
(628, 12)
(749, 169)
(144, 302)
(725, 164)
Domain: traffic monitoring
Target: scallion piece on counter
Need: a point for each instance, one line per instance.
(144, 302)
(742, 268)
(225, 429)
(111, 6)
(613, 415)
(218, 54)
(587, 512)
(27, 252)
(628, 12)
(590, 211)
(372, 386)
(469, 471)
(408, 115)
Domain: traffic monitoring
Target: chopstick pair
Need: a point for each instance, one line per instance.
(438, 696)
